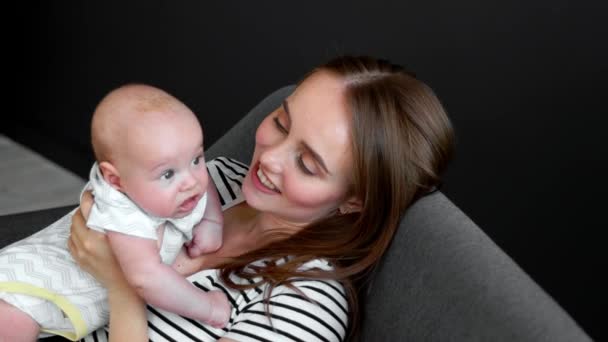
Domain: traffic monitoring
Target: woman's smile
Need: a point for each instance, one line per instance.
(262, 182)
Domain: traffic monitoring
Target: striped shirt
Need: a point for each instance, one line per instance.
(316, 311)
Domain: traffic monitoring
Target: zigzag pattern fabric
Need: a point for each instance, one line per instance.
(53, 290)
(43, 261)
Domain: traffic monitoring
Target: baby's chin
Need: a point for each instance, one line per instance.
(175, 213)
(179, 214)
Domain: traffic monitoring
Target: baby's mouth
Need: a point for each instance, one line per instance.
(189, 204)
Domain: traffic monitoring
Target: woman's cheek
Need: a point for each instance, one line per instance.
(266, 134)
(309, 195)
(261, 134)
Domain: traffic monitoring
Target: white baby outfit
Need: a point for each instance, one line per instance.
(114, 211)
(39, 276)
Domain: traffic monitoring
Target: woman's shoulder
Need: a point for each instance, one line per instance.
(324, 294)
(227, 175)
(225, 169)
(311, 309)
(226, 163)
(316, 309)
(330, 294)
(308, 310)
(321, 264)
(320, 290)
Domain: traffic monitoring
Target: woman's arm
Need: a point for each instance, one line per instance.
(128, 320)
(91, 250)
(161, 286)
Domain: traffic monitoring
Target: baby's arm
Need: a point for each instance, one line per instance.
(161, 286)
(207, 234)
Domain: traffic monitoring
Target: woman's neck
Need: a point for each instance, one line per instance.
(255, 229)
(245, 230)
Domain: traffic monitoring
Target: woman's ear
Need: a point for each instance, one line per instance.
(110, 174)
(351, 205)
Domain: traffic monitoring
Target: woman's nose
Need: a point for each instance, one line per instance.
(272, 159)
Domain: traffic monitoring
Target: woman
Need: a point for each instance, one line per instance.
(333, 170)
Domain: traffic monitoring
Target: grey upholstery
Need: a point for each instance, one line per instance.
(442, 279)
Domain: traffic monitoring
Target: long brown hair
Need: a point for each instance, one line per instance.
(401, 141)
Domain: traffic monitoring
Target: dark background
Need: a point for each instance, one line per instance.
(523, 81)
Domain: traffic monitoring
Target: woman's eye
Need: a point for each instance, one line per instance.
(196, 160)
(303, 166)
(279, 125)
(168, 174)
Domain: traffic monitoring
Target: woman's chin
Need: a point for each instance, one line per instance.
(248, 191)
(252, 196)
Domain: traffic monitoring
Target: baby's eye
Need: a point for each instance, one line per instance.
(197, 160)
(168, 174)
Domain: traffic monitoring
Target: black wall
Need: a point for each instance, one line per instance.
(523, 82)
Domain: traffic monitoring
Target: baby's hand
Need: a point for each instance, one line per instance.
(193, 249)
(207, 238)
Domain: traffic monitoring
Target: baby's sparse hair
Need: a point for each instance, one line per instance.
(107, 124)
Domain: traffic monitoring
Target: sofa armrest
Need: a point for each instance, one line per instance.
(444, 279)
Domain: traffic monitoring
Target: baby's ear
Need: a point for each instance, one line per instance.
(110, 174)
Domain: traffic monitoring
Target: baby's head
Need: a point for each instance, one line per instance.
(149, 145)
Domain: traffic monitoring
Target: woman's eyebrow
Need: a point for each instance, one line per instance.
(315, 155)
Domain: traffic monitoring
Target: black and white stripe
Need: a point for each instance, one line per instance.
(227, 174)
(318, 313)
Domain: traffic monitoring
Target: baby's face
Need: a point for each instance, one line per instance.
(163, 169)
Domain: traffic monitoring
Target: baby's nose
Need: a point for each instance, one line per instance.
(189, 181)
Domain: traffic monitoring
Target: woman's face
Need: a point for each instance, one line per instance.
(302, 162)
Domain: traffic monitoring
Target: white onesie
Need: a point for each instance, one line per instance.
(114, 211)
(39, 276)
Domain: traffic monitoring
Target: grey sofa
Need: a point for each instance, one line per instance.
(442, 279)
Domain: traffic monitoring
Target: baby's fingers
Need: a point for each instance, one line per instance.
(194, 250)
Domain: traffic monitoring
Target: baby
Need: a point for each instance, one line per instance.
(153, 196)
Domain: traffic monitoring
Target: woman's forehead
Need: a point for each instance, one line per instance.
(322, 94)
(319, 116)
(323, 86)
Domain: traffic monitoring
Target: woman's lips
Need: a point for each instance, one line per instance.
(258, 183)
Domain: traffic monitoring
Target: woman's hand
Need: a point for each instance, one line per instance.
(92, 252)
(91, 249)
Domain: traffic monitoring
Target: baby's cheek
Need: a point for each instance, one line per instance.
(162, 203)
(204, 178)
